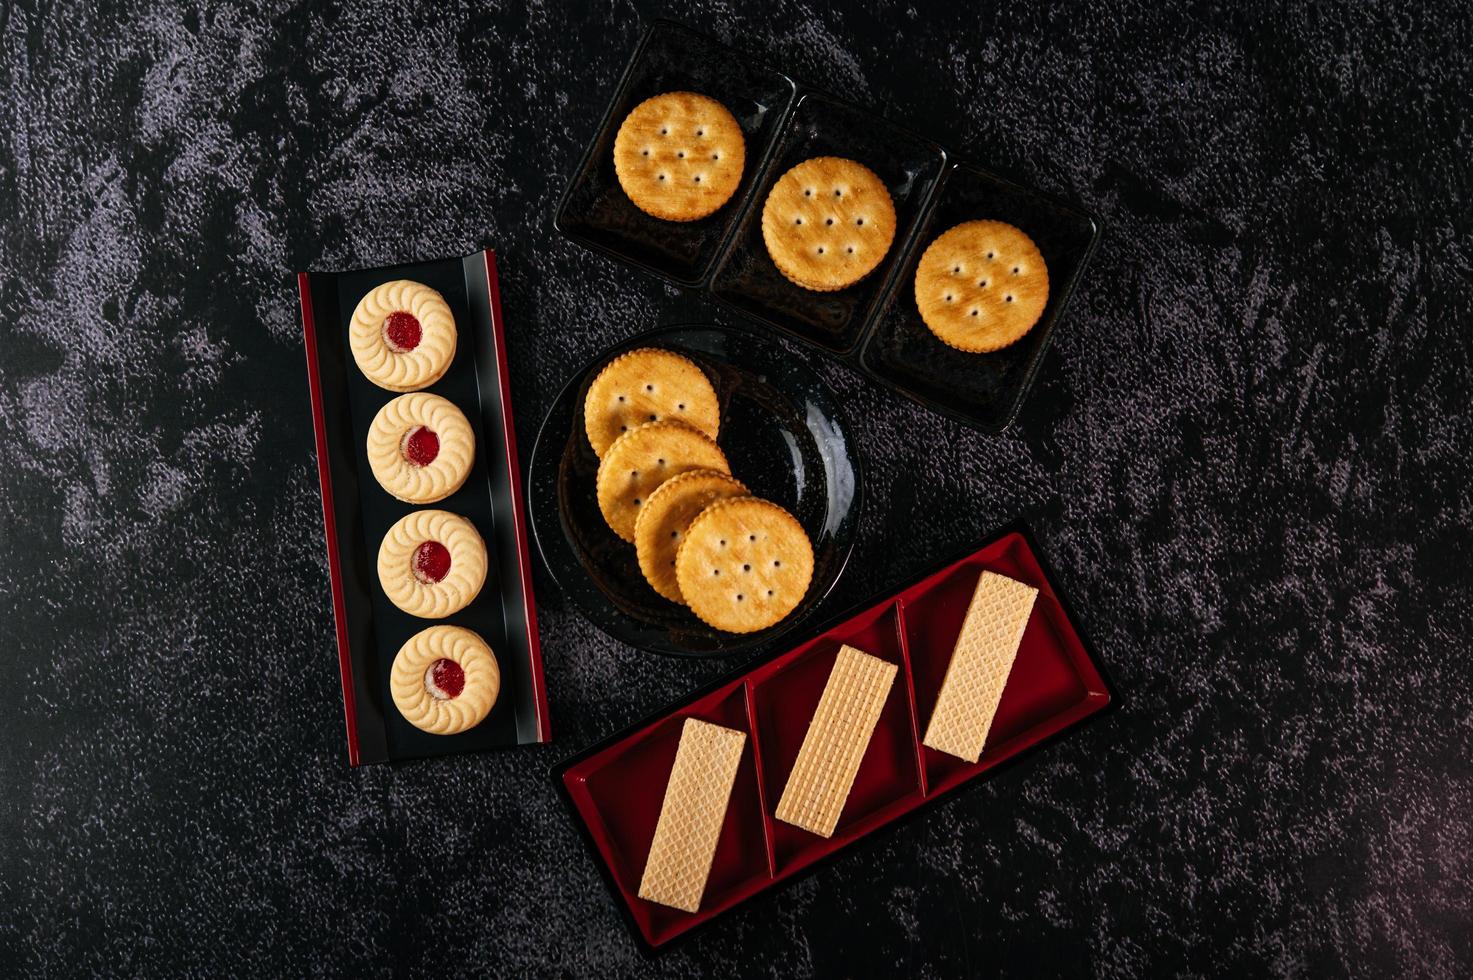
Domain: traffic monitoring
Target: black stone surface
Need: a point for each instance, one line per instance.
(1247, 455)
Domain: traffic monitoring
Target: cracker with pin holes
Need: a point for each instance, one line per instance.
(981, 286)
(663, 519)
(828, 222)
(744, 565)
(679, 156)
(642, 459)
(648, 385)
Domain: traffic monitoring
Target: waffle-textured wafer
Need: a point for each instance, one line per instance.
(836, 741)
(980, 663)
(692, 814)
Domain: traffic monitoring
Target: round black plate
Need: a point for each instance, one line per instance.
(785, 439)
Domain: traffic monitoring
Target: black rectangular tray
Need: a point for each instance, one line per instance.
(357, 512)
(872, 326)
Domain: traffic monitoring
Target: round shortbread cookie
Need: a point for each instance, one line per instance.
(981, 286)
(445, 680)
(648, 385)
(745, 563)
(663, 519)
(432, 563)
(420, 448)
(402, 335)
(642, 459)
(828, 222)
(679, 156)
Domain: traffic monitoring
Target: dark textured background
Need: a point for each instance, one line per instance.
(1247, 456)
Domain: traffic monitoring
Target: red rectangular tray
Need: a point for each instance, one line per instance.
(357, 511)
(615, 788)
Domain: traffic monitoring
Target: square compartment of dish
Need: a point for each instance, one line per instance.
(785, 695)
(746, 278)
(620, 792)
(594, 209)
(1050, 680)
(985, 390)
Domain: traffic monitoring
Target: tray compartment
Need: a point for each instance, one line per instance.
(985, 389)
(746, 277)
(621, 792)
(1047, 686)
(785, 695)
(596, 211)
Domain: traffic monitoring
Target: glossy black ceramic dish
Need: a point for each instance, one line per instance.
(784, 437)
(872, 326)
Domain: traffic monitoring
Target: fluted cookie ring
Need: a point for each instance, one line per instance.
(432, 563)
(402, 335)
(445, 680)
(420, 448)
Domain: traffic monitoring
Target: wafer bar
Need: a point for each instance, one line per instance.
(691, 816)
(836, 741)
(980, 663)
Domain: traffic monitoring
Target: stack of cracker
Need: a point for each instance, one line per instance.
(836, 741)
(740, 563)
(980, 664)
(691, 816)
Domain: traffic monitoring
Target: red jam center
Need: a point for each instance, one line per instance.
(431, 562)
(421, 446)
(445, 679)
(402, 331)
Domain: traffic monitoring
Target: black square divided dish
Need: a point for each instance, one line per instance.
(820, 126)
(984, 390)
(595, 210)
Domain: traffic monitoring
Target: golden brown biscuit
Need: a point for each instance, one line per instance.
(981, 286)
(647, 385)
(445, 680)
(402, 335)
(745, 563)
(679, 156)
(642, 459)
(432, 563)
(663, 518)
(420, 447)
(828, 222)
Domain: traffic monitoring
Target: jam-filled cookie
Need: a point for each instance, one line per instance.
(402, 335)
(432, 563)
(445, 680)
(420, 448)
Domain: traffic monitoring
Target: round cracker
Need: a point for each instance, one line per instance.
(642, 459)
(745, 564)
(828, 222)
(679, 156)
(647, 385)
(663, 519)
(981, 286)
